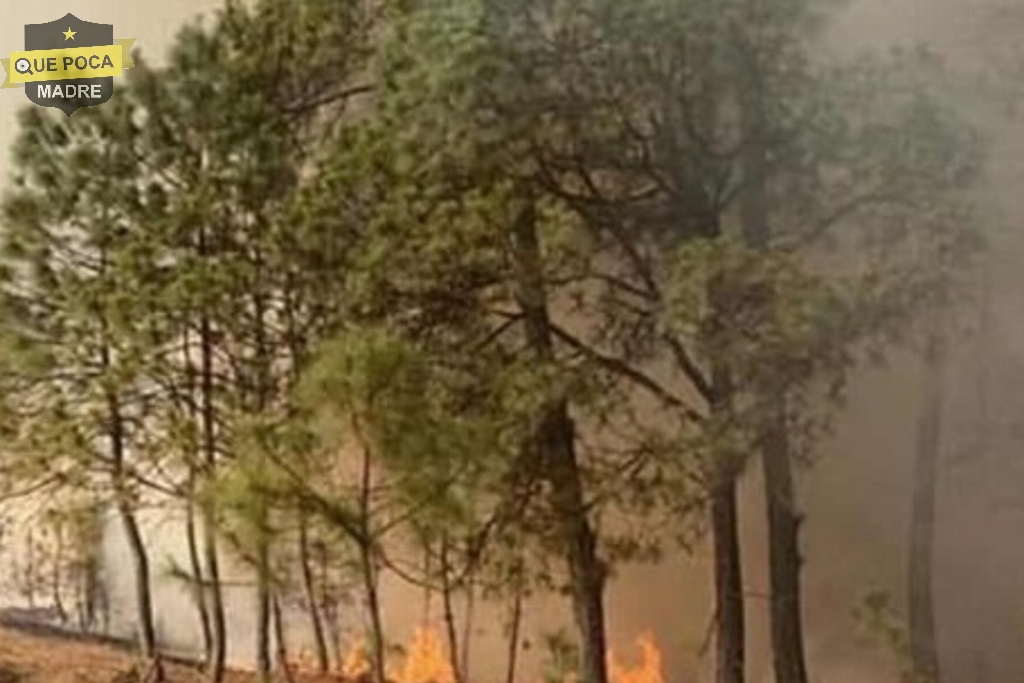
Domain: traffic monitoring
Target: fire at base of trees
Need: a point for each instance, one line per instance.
(493, 297)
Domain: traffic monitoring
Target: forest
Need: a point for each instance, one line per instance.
(491, 298)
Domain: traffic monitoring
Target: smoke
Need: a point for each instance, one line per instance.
(856, 495)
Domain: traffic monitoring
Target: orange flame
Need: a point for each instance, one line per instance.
(356, 662)
(426, 660)
(648, 671)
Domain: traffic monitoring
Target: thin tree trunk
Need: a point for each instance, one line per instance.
(208, 430)
(515, 623)
(784, 559)
(920, 570)
(195, 564)
(82, 607)
(586, 572)
(218, 623)
(428, 592)
(329, 604)
(199, 582)
(729, 616)
(133, 535)
(91, 596)
(783, 519)
(56, 576)
(449, 611)
(210, 550)
(30, 572)
(261, 394)
(467, 627)
(263, 616)
(281, 641)
(144, 601)
(296, 346)
(103, 599)
(315, 619)
(373, 608)
(557, 446)
(368, 566)
(724, 474)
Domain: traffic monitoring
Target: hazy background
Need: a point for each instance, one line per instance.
(153, 22)
(857, 495)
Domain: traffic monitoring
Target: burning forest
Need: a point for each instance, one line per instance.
(509, 341)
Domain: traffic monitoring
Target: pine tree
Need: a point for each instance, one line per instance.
(72, 257)
(671, 167)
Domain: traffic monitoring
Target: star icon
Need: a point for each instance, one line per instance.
(69, 34)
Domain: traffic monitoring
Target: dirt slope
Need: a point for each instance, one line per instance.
(37, 658)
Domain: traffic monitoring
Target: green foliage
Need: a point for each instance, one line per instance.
(306, 306)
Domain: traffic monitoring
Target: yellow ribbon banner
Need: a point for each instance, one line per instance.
(98, 61)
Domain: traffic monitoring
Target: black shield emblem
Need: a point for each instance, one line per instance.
(55, 35)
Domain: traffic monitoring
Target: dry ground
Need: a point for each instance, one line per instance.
(34, 658)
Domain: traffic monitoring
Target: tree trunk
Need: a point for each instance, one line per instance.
(281, 641)
(586, 571)
(368, 566)
(86, 590)
(199, 582)
(94, 604)
(210, 551)
(428, 590)
(515, 623)
(783, 519)
(262, 392)
(449, 610)
(56, 575)
(467, 626)
(143, 595)
(103, 602)
(195, 565)
(30, 572)
(315, 619)
(920, 598)
(783, 558)
(264, 596)
(263, 616)
(730, 619)
(136, 546)
(724, 473)
(218, 659)
(369, 572)
(556, 444)
(329, 603)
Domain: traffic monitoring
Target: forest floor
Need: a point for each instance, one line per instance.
(37, 657)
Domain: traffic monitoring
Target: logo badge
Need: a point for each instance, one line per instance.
(68, 63)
